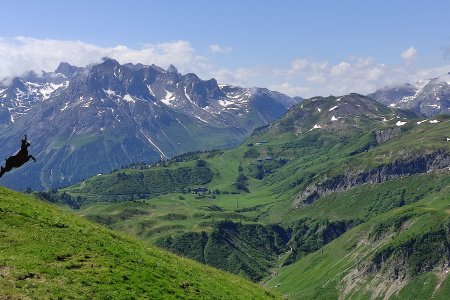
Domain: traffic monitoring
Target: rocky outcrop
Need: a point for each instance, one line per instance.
(418, 164)
(383, 136)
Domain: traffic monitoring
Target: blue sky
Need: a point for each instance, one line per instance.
(299, 47)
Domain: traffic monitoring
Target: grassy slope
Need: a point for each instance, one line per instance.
(323, 275)
(177, 212)
(311, 156)
(48, 253)
(269, 200)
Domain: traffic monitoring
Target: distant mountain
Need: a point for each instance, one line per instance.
(429, 97)
(349, 113)
(87, 120)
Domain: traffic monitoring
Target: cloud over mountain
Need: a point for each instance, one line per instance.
(409, 53)
(304, 77)
(22, 54)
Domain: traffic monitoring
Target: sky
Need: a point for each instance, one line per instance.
(302, 48)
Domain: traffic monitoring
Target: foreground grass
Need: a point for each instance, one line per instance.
(48, 253)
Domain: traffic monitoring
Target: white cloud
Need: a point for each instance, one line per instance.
(299, 65)
(219, 49)
(441, 71)
(241, 76)
(409, 53)
(340, 68)
(355, 74)
(22, 54)
(289, 89)
(302, 77)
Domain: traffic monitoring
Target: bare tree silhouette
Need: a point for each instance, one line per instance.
(19, 159)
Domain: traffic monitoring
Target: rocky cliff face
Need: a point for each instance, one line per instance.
(437, 160)
(383, 136)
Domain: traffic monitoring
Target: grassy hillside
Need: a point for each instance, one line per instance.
(332, 174)
(402, 253)
(48, 253)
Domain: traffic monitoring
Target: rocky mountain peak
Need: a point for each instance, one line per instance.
(429, 97)
(125, 113)
(66, 69)
(17, 83)
(172, 69)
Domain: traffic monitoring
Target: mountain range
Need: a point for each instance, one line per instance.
(429, 97)
(83, 121)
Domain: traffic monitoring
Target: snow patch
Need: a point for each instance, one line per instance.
(162, 155)
(128, 98)
(225, 103)
(101, 112)
(333, 108)
(319, 110)
(333, 118)
(204, 121)
(434, 106)
(434, 121)
(48, 89)
(419, 86)
(110, 92)
(149, 87)
(317, 126)
(66, 105)
(168, 98)
(400, 123)
(187, 96)
(234, 96)
(241, 96)
(420, 122)
(392, 105)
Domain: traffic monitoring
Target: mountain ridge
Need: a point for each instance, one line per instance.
(126, 113)
(429, 97)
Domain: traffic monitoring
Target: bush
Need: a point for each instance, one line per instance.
(241, 183)
(201, 163)
(251, 153)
